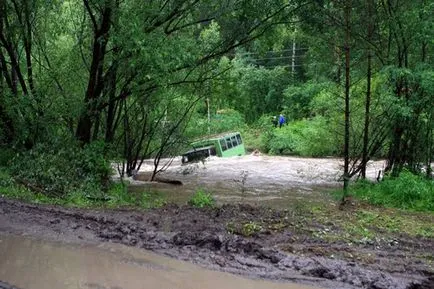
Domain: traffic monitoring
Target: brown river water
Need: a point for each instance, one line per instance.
(31, 264)
(274, 181)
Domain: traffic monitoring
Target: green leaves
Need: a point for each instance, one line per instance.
(408, 191)
(60, 169)
(202, 199)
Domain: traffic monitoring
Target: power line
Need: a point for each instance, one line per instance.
(280, 51)
(280, 57)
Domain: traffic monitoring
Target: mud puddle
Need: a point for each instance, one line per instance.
(33, 264)
(272, 181)
(250, 241)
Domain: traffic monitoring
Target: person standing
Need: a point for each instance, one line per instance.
(281, 120)
(274, 121)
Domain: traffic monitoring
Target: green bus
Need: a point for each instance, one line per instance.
(222, 145)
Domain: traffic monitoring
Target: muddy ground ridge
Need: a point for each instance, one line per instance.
(214, 238)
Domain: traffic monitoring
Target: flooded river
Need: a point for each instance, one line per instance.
(32, 264)
(264, 180)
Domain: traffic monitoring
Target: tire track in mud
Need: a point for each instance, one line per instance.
(201, 236)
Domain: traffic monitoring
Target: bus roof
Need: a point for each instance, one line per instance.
(216, 136)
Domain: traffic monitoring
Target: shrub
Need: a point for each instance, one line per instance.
(250, 228)
(281, 142)
(408, 191)
(310, 138)
(201, 199)
(314, 137)
(6, 156)
(60, 169)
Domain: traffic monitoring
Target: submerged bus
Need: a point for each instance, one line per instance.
(222, 145)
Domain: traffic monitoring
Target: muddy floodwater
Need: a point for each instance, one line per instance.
(261, 180)
(31, 264)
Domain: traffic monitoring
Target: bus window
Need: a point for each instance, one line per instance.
(228, 142)
(239, 139)
(223, 145)
(234, 141)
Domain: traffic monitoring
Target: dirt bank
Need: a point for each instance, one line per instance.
(253, 241)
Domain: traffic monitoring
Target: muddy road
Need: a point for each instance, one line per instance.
(251, 241)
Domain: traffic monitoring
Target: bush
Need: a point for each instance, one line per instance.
(408, 191)
(6, 156)
(60, 169)
(309, 138)
(227, 120)
(314, 138)
(201, 199)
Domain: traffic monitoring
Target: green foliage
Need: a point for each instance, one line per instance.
(298, 99)
(251, 90)
(244, 229)
(310, 138)
(59, 169)
(5, 178)
(10, 189)
(408, 191)
(250, 229)
(227, 120)
(202, 199)
(281, 142)
(117, 196)
(315, 137)
(6, 156)
(253, 139)
(259, 135)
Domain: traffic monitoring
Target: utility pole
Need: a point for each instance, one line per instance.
(209, 115)
(293, 57)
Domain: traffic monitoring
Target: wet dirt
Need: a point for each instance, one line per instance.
(227, 239)
(270, 180)
(33, 264)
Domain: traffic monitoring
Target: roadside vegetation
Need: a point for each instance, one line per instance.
(115, 196)
(408, 192)
(202, 199)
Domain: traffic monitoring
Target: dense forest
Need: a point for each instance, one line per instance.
(87, 83)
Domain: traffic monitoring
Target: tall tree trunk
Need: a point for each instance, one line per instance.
(430, 144)
(424, 50)
(6, 123)
(95, 83)
(28, 47)
(347, 16)
(96, 127)
(365, 156)
(112, 105)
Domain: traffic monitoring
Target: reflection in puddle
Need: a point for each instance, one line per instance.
(32, 264)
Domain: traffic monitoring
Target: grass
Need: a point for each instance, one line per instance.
(248, 229)
(366, 223)
(116, 197)
(409, 192)
(202, 199)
